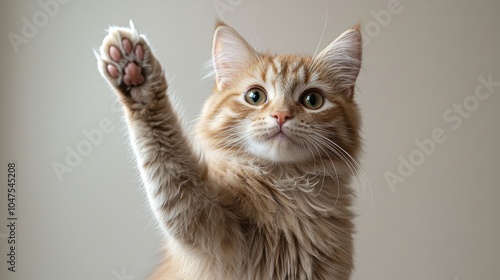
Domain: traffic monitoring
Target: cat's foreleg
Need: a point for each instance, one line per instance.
(175, 178)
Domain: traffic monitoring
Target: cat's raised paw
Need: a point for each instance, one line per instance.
(125, 60)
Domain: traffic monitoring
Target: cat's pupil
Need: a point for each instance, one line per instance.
(255, 96)
(311, 99)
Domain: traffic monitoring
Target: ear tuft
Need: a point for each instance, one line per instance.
(342, 59)
(219, 23)
(231, 54)
(357, 27)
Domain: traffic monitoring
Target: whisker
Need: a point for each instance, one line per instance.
(333, 165)
(324, 28)
(352, 164)
(237, 142)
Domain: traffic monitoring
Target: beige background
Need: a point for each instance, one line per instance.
(442, 222)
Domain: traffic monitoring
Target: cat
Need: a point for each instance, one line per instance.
(263, 189)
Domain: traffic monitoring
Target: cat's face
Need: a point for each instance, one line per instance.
(282, 108)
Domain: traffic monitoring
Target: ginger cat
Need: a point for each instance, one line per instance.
(262, 191)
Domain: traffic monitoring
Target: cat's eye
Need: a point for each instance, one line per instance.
(256, 96)
(312, 100)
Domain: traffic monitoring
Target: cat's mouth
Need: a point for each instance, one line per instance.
(279, 145)
(280, 136)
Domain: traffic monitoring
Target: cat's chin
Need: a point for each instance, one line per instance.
(279, 148)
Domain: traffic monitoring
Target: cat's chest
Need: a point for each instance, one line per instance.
(292, 240)
(289, 203)
(285, 198)
(291, 220)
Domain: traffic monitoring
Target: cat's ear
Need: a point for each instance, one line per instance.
(231, 54)
(342, 60)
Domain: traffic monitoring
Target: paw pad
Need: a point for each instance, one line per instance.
(131, 71)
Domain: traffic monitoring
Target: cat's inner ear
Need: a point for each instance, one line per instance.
(342, 60)
(231, 54)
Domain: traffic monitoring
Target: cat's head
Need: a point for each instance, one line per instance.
(282, 108)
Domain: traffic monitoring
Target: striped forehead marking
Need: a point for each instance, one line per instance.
(284, 74)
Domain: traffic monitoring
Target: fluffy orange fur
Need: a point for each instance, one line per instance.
(262, 191)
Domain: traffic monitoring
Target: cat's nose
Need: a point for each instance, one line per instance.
(281, 116)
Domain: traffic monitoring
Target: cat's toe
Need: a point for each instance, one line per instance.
(115, 54)
(112, 70)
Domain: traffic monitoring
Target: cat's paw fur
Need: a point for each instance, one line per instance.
(125, 60)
